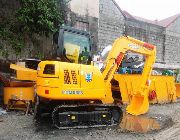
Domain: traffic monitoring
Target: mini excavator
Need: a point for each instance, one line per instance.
(80, 96)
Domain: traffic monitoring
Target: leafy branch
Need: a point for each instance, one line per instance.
(41, 17)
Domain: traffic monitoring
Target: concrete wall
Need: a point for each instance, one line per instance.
(148, 33)
(84, 7)
(84, 15)
(111, 23)
(172, 42)
(7, 9)
(42, 47)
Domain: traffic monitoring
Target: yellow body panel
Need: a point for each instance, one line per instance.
(163, 85)
(22, 93)
(59, 94)
(178, 90)
(78, 88)
(23, 73)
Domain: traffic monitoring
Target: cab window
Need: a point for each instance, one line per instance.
(49, 69)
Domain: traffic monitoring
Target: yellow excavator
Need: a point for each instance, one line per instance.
(79, 96)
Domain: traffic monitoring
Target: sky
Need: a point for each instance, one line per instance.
(150, 9)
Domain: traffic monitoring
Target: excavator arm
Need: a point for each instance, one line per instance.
(139, 103)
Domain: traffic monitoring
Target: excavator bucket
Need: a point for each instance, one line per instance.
(138, 105)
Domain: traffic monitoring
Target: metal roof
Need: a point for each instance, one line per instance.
(164, 23)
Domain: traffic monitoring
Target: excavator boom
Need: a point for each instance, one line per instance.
(139, 104)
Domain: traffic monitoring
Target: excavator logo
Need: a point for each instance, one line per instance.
(135, 47)
(88, 77)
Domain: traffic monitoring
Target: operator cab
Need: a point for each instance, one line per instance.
(73, 45)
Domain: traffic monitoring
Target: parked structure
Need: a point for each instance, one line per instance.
(106, 21)
(113, 22)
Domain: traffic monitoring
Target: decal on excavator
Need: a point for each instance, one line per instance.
(72, 92)
(133, 46)
(88, 77)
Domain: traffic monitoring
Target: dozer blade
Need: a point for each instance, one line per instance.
(85, 116)
(138, 105)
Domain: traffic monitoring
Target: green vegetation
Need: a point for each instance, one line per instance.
(40, 17)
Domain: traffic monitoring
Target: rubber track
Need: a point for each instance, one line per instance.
(54, 113)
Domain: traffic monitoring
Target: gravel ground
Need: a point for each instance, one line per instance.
(16, 126)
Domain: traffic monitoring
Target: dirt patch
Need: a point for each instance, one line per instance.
(145, 123)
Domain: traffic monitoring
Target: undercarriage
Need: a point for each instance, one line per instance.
(80, 115)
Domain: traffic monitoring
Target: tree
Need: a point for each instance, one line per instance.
(41, 17)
